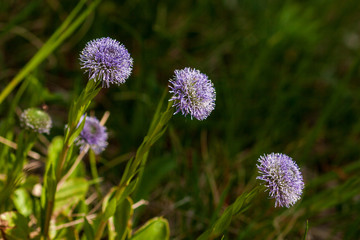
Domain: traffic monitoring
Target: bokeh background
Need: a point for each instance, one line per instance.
(286, 75)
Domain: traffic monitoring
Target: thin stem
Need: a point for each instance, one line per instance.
(49, 209)
(94, 172)
(13, 145)
(160, 125)
(138, 164)
(64, 151)
(75, 222)
(100, 230)
(73, 167)
(59, 180)
(62, 161)
(82, 153)
(81, 105)
(50, 201)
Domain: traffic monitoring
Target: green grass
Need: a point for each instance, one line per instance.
(286, 75)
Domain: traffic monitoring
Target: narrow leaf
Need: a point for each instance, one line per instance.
(154, 229)
(70, 193)
(122, 217)
(110, 209)
(77, 132)
(88, 229)
(306, 229)
(22, 201)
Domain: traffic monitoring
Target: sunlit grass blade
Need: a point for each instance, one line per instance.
(306, 229)
(58, 37)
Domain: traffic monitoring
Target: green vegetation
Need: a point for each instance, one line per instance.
(286, 75)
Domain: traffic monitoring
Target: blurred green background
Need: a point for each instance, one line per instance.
(287, 80)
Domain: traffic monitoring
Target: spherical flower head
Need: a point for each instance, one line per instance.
(282, 178)
(36, 120)
(93, 134)
(193, 93)
(106, 60)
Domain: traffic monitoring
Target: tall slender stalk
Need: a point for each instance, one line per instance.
(74, 128)
(94, 172)
(100, 230)
(50, 202)
(135, 167)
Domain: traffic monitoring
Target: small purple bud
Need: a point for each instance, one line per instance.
(93, 134)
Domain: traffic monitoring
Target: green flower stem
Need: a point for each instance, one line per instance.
(50, 201)
(135, 167)
(62, 158)
(49, 209)
(77, 109)
(94, 172)
(162, 124)
(223, 222)
(62, 162)
(100, 230)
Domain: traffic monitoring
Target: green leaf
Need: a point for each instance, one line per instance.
(70, 193)
(107, 198)
(127, 190)
(157, 136)
(80, 105)
(157, 113)
(222, 224)
(126, 175)
(236, 206)
(110, 209)
(77, 131)
(167, 115)
(122, 216)
(54, 150)
(156, 170)
(240, 204)
(205, 235)
(15, 225)
(154, 229)
(50, 182)
(221, 202)
(22, 201)
(64, 31)
(88, 229)
(306, 229)
(71, 116)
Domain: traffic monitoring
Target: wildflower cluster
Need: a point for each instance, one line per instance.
(192, 93)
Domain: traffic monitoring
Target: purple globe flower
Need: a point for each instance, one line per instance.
(93, 134)
(282, 178)
(193, 93)
(106, 60)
